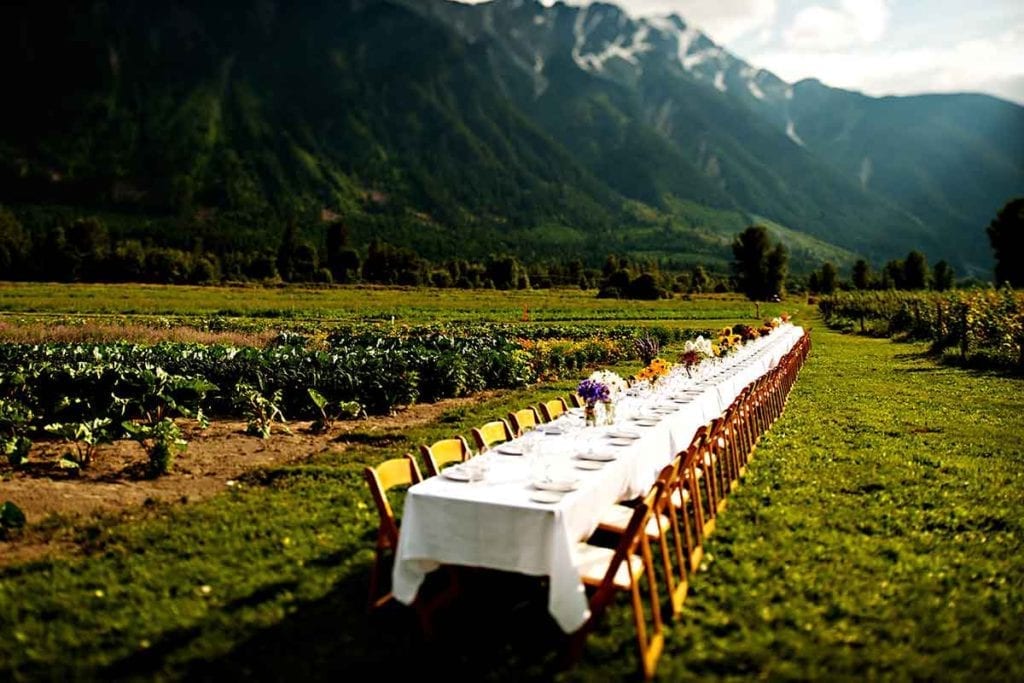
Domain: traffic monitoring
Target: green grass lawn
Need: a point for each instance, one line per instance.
(878, 534)
(368, 303)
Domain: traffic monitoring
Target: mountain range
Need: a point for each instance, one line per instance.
(463, 130)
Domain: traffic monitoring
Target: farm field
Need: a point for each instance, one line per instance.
(878, 532)
(367, 303)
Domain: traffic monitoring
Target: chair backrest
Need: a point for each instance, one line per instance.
(491, 433)
(575, 400)
(549, 410)
(381, 479)
(444, 452)
(635, 542)
(523, 420)
(676, 535)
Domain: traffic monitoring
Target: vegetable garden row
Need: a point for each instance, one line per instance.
(983, 327)
(91, 393)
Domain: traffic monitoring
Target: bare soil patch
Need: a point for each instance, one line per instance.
(217, 456)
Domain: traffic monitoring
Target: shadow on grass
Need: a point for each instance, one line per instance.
(496, 629)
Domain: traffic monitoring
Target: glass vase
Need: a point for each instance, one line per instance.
(590, 415)
(609, 412)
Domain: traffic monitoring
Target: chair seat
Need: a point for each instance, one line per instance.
(616, 518)
(680, 497)
(592, 563)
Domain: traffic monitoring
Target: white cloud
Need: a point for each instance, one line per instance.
(826, 28)
(723, 20)
(994, 65)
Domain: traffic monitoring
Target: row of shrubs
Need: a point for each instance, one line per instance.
(978, 327)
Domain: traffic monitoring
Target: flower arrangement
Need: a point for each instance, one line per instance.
(694, 352)
(655, 369)
(647, 347)
(784, 317)
(747, 332)
(592, 391)
(615, 383)
(728, 343)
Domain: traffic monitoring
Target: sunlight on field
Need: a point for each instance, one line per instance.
(362, 303)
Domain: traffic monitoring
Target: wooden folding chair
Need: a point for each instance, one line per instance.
(705, 475)
(490, 434)
(662, 528)
(444, 452)
(684, 493)
(381, 479)
(609, 571)
(575, 400)
(523, 420)
(549, 410)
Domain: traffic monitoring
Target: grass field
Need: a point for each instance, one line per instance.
(877, 535)
(369, 304)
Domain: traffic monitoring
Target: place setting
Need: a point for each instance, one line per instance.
(473, 470)
(551, 481)
(594, 459)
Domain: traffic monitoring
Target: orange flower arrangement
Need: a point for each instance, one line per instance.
(655, 369)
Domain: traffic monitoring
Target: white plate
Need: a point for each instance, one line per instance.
(455, 473)
(545, 497)
(553, 431)
(646, 422)
(509, 450)
(624, 435)
(589, 465)
(560, 486)
(619, 441)
(598, 456)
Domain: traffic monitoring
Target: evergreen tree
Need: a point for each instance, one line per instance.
(892, 275)
(829, 278)
(776, 269)
(861, 274)
(942, 277)
(814, 282)
(1006, 234)
(750, 265)
(915, 271)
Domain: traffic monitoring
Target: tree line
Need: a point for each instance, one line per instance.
(83, 250)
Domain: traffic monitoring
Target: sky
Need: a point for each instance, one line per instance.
(879, 47)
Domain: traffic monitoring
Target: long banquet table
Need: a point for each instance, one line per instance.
(495, 523)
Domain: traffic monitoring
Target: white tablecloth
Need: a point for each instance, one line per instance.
(495, 524)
